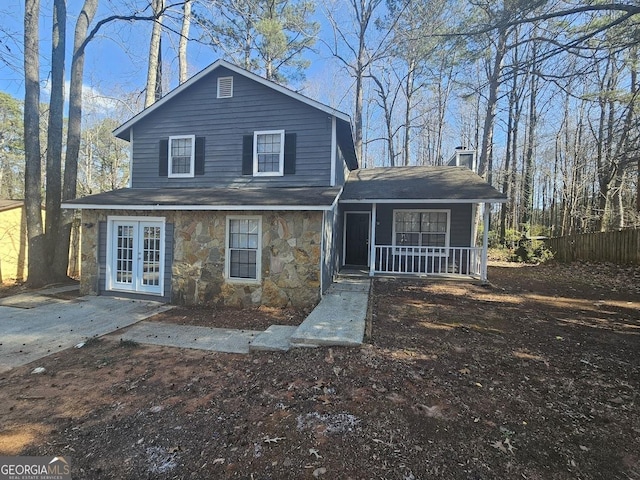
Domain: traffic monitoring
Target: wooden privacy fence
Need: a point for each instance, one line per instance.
(621, 247)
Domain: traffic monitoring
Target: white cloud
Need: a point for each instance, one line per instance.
(93, 101)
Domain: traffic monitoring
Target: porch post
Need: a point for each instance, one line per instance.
(372, 241)
(485, 242)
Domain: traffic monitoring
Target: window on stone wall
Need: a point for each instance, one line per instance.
(244, 246)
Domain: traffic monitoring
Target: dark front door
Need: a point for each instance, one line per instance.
(356, 238)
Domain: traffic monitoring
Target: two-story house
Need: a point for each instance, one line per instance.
(245, 192)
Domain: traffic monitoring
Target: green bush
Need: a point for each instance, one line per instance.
(531, 251)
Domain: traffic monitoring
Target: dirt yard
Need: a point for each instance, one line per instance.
(536, 376)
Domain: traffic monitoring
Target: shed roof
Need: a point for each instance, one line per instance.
(10, 204)
(420, 185)
(233, 198)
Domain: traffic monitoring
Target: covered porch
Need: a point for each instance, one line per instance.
(416, 221)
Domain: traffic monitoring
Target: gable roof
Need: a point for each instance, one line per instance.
(418, 185)
(122, 129)
(344, 133)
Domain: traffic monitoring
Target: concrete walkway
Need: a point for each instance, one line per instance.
(339, 319)
(36, 324)
(225, 340)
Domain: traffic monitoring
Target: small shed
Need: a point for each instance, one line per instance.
(13, 241)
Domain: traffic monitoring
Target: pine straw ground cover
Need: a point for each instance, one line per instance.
(535, 376)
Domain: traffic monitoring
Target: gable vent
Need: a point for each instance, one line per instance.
(225, 87)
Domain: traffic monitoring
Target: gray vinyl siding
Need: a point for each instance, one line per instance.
(332, 244)
(341, 168)
(223, 123)
(460, 221)
(102, 265)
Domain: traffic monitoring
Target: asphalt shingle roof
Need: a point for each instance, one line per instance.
(418, 183)
(209, 198)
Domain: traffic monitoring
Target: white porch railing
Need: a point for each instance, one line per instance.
(457, 261)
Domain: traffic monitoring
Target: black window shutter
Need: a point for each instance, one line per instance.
(163, 162)
(247, 155)
(199, 154)
(289, 153)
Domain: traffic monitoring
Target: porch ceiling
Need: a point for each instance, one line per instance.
(420, 185)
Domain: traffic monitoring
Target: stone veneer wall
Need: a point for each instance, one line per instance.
(291, 244)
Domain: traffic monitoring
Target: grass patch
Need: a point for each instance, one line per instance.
(128, 343)
(92, 342)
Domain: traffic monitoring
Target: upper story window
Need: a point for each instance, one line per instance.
(225, 87)
(181, 156)
(421, 228)
(268, 153)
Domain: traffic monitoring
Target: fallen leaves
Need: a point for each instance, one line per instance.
(435, 411)
(313, 451)
(274, 439)
(504, 446)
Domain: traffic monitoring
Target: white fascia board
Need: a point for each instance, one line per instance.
(151, 208)
(334, 147)
(239, 71)
(425, 200)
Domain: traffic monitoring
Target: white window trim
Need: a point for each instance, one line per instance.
(280, 171)
(227, 255)
(221, 79)
(191, 173)
(111, 220)
(398, 248)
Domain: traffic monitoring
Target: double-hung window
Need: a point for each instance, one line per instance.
(181, 156)
(422, 228)
(268, 153)
(244, 243)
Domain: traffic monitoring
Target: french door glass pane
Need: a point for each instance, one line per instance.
(124, 254)
(151, 256)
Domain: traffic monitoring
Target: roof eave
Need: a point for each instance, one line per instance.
(158, 207)
(423, 200)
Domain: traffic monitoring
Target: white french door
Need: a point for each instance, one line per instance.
(136, 255)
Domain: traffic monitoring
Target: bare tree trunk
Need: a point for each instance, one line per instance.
(184, 39)
(411, 73)
(74, 132)
(37, 271)
(511, 133)
(387, 109)
(527, 186)
(486, 151)
(154, 53)
(54, 133)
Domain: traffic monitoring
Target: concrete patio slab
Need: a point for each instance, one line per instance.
(39, 298)
(185, 336)
(273, 339)
(27, 334)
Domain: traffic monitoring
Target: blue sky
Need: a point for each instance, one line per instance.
(116, 58)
